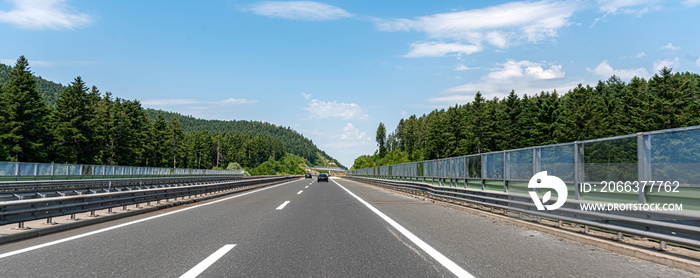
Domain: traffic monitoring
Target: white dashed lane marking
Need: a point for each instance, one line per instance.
(282, 205)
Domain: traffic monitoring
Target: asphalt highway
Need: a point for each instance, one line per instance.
(304, 228)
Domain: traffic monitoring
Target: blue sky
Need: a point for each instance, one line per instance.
(333, 70)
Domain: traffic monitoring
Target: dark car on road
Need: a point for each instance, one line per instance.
(323, 177)
(308, 176)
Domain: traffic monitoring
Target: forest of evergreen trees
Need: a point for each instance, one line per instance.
(292, 141)
(611, 108)
(82, 125)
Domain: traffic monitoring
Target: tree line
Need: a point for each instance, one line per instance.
(86, 126)
(48, 90)
(292, 141)
(610, 108)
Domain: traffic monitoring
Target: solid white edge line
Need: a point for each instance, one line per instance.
(446, 262)
(206, 263)
(8, 254)
(282, 205)
(300, 192)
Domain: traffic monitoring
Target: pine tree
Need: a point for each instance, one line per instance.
(3, 152)
(455, 132)
(23, 116)
(110, 120)
(71, 124)
(220, 156)
(507, 118)
(127, 133)
(103, 124)
(574, 121)
(381, 139)
(94, 131)
(175, 130)
(435, 141)
(161, 145)
(666, 99)
(480, 124)
(140, 125)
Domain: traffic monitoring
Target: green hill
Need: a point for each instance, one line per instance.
(49, 90)
(292, 141)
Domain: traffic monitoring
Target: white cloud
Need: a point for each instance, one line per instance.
(43, 14)
(306, 96)
(691, 3)
(638, 55)
(351, 133)
(462, 67)
(433, 49)
(170, 102)
(524, 77)
(500, 25)
(670, 46)
(347, 111)
(525, 69)
(237, 101)
(660, 64)
(631, 7)
(604, 70)
(352, 139)
(345, 145)
(299, 10)
(540, 73)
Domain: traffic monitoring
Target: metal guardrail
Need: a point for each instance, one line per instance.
(19, 190)
(680, 227)
(20, 211)
(49, 171)
(321, 168)
(666, 155)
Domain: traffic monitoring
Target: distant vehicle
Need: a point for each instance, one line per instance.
(323, 177)
(308, 176)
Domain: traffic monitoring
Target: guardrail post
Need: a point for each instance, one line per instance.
(619, 237)
(20, 226)
(537, 165)
(578, 169)
(16, 171)
(505, 171)
(483, 171)
(643, 162)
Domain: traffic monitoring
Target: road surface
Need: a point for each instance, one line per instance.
(304, 228)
